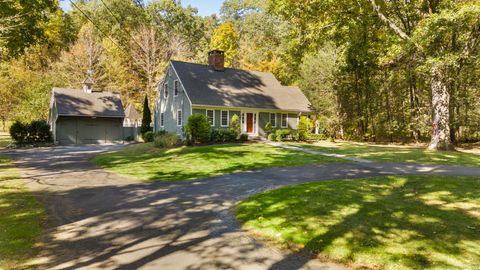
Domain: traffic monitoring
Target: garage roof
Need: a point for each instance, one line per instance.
(71, 102)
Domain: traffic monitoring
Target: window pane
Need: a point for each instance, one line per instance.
(179, 118)
(284, 120)
(162, 119)
(273, 119)
(224, 118)
(210, 116)
(176, 88)
(166, 90)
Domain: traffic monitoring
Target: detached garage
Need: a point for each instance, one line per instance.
(85, 116)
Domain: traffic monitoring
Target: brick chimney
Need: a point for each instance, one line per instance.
(216, 59)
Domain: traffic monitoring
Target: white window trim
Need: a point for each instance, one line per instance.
(162, 119)
(275, 120)
(213, 120)
(221, 118)
(176, 83)
(181, 118)
(165, 90)
(286, 120)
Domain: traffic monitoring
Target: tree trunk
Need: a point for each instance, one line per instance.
(441, 115)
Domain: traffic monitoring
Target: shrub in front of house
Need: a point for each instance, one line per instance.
(18, 132)
(282, 135)
(268, 129)
(222, 135)
(294, 135)
(272, 137)
(243, 137)
(198, 128)
(147, 136)
(166, 140)
(235, 125)
(303, 128)
(37, 131)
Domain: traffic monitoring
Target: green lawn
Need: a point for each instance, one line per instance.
(146, 162)
(397, 153)
(20, 219)
(5, 140)
(414, 222)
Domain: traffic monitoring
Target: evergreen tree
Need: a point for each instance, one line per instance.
(147, 117)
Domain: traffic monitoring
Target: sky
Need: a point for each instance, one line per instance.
(205, 7)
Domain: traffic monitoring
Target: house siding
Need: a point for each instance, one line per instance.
(171, 104)
(199, 111)
(52, 121)
(217, 114)
(264, 118)
(292, 121)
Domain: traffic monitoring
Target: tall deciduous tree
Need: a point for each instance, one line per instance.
(444, 37)
(225, 38)
(84, 55)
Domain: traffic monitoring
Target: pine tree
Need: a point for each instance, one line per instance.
(147, 117)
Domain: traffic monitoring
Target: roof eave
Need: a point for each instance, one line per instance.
(85, 115)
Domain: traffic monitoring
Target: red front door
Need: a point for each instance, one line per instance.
(249, 122)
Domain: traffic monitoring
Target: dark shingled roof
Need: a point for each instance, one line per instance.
(71, 102)
(132, 113)
(238, 88)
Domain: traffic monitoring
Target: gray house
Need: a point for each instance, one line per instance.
(85, 116)
(219, 93)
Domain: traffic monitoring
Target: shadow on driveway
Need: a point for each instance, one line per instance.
(100, 220)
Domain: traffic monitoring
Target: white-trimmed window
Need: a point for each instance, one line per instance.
(273, 119)
(165, 90)
(162, 119)
(224, 118)
(179, 118)
(284, 120)
(175, 88)
(211, 117)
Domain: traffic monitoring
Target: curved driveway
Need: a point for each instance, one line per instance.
(100, 220)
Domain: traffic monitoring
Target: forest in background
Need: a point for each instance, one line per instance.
(375, 70)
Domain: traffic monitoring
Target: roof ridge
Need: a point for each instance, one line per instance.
(227, 68)
(80, 90)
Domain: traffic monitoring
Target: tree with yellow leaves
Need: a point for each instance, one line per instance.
(225, 38)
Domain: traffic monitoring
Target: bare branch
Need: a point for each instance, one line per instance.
(389, 22)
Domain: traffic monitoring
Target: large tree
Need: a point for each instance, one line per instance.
(24, 23)
(444, 35)
(426, 42)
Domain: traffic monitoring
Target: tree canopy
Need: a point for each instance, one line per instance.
(376, 70)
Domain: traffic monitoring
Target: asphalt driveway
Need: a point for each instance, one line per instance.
(100, 220)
